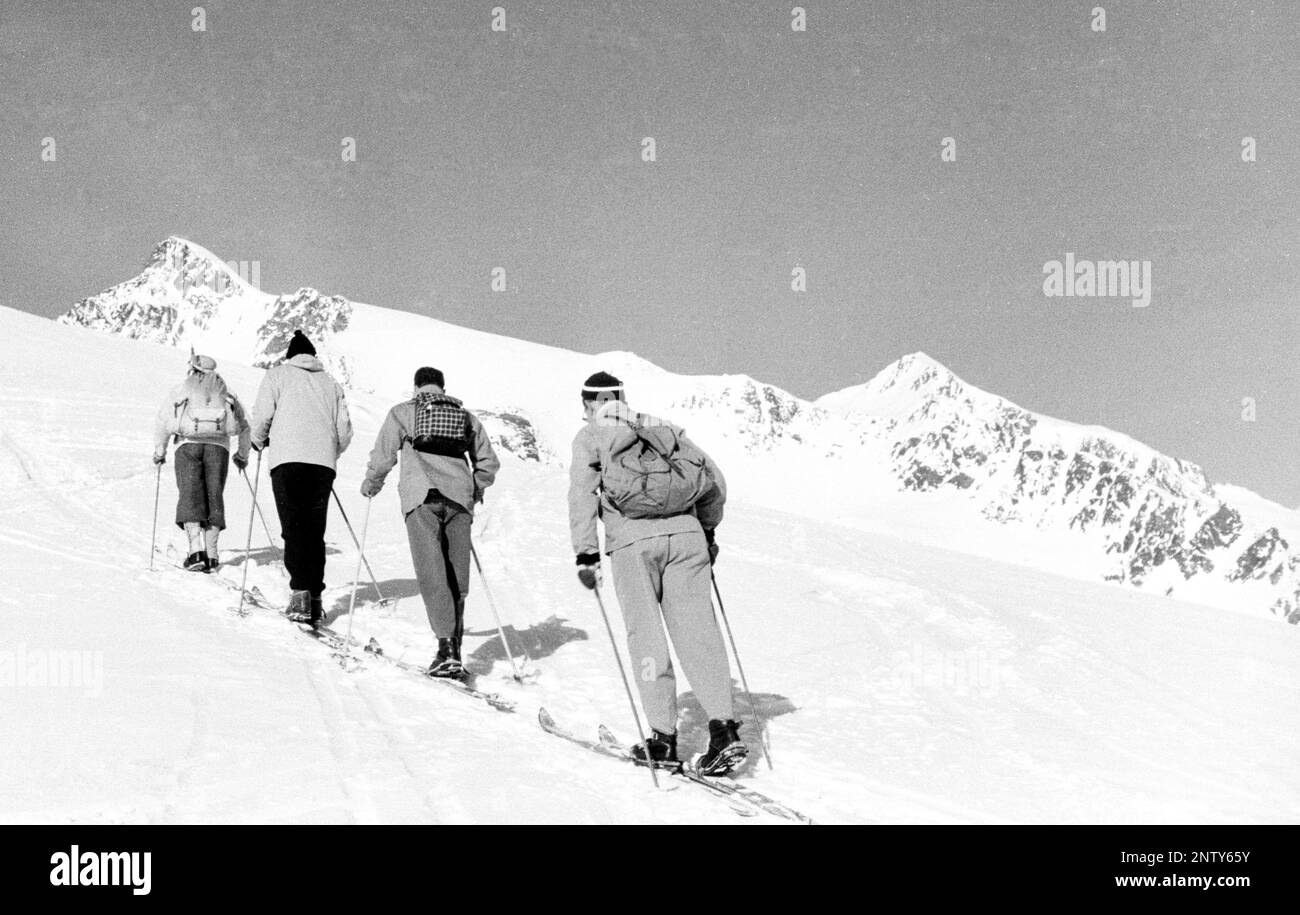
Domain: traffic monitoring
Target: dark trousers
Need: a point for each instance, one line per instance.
(201, 482)
(302, 499)
(440, 549)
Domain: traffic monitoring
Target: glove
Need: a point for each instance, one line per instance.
(240, 462)
(478, 496)
(713, 547)
(258, 446)
(159, 458)
(589, 570)
(369, 489)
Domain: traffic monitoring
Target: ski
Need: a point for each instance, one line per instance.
(339, 646)
(550, 726)
(253, 596)
(496, 700)
(335, 642)
(726, 786)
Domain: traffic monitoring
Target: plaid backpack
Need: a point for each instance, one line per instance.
(441, 425)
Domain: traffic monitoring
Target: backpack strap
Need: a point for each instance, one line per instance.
(637, 430)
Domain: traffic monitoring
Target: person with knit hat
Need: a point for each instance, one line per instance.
(201, 415)
(660, 498)
(447, 462)
(301, 419)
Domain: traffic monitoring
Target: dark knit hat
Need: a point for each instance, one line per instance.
(429, 375)
(299, 345)
(601, 383)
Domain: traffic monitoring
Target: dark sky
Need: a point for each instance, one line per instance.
(821, 149)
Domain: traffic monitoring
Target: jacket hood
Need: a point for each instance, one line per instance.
(306, 361)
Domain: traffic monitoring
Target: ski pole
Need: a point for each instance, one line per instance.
(248, 548)
(636, 716)
(369, 571)
(500, 629)
(762, 728)
(356, 579)
(153, 539)
(265, 527)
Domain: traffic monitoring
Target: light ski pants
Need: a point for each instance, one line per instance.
(665, 580)
(439, 533)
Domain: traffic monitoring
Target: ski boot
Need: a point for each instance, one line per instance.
(726, 750)
(196, 562)
(317, 610)
(447, 664)
(214, 562)
(299, 609)
(663, 751)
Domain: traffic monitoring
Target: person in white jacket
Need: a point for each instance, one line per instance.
(301, 418)
(202, 415)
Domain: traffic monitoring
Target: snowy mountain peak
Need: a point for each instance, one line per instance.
(902, 388)
(915, 371)
(188, 296)
(188, 264)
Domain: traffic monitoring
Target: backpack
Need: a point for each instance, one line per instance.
(441, 426)
(194, 421)
(652, 471)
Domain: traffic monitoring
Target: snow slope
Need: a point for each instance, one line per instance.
(900, 683)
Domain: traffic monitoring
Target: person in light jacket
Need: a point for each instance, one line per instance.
(301, 419)
(662, 569)
(447, 463)
(202, 415)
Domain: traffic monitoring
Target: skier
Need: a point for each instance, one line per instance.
(301, 416)
(447, 463)
(660, 498)
(201, 414)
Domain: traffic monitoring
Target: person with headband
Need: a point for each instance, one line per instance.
(660, 498)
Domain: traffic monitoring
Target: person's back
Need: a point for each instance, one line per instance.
(307, 408)
(447, 461)
(620, 472)
(301, 419)
(201, 415)
(592, 446)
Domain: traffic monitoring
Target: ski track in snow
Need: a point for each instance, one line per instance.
(900, 683)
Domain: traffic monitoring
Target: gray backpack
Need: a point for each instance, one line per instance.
(653, 472)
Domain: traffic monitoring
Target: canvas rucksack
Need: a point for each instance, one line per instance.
(441, 426)
(651, 471)
(195, 421)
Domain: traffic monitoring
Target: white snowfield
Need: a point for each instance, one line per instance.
(898, 682)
